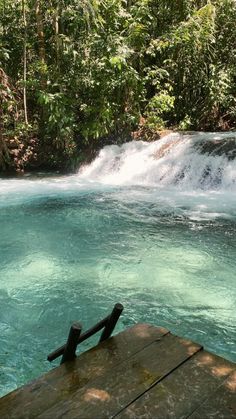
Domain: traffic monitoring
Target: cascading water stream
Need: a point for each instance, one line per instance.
(151, 225)
(176, 160)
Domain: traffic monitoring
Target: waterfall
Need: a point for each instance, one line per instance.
(194, 173)
(200, 161)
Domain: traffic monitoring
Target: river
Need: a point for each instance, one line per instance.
(149, 225)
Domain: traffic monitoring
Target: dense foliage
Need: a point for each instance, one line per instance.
(75, 74)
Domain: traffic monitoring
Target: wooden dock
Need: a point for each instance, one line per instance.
(143, 372)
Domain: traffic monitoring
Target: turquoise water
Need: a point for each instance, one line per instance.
(69, 251)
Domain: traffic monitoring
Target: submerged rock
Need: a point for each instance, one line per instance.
(212, 147)
(198, 159)
(226, 147)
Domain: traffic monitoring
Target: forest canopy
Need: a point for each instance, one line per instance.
(75, 75)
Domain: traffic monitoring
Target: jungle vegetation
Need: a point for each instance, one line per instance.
(78, 74)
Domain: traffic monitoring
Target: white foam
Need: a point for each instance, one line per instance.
(172, 161)
(171, 172)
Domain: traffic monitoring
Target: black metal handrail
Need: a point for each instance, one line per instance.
(68, 351)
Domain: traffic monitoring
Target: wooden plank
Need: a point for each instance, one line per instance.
(60, 383)
(106, 396)
(221, 404)
(181, 392)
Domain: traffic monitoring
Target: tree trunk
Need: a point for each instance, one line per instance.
(41, 41)
(25, 63)
(56, 30)
(4, 154)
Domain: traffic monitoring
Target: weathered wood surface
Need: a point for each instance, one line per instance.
(60, 384)
(221, 403)
(143, 372)
(115, 389)
(183, 391)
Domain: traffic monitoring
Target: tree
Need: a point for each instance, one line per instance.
(86, 72)
(25, 62)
